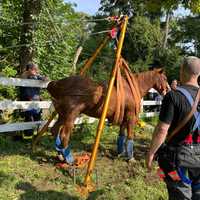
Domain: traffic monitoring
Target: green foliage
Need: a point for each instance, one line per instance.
(144, 38)
(55, 37)
(8, 92)
(56, 47)
(9, 71)
(187, 34)
(170, 60)
(155, 5)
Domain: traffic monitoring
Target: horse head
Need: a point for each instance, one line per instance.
(161, 84)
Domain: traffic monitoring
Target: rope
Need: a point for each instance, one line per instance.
(65, 23)
(100, 32)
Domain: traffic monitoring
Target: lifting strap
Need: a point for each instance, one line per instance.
(191, 101)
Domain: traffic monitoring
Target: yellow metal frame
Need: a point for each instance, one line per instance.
(100, 127)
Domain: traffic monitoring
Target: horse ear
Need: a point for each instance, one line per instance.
(160, 70)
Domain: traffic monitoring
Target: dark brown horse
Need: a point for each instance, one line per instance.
(76, 94)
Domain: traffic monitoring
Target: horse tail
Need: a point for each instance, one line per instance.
(51, 88)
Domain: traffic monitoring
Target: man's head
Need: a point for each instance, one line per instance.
(190, 69)
(32, 69)
(174, 84)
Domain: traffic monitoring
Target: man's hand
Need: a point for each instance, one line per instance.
(44, 78)
(149, 160)
(159, 136)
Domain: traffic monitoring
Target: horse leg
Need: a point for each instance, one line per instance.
(62, 139)
(121, 140)
(56, 127)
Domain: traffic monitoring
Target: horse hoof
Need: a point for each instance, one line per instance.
(60, 157)
(120, 155)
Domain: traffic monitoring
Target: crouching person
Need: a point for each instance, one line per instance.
(178, 155)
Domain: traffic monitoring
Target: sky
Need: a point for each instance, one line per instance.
(91, 7)
(87, 6)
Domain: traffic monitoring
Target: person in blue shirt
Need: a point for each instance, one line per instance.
(31, 94)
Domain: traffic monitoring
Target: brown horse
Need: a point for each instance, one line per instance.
(76, 94)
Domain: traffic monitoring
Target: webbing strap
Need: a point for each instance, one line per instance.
(182, 173)
(189, 98)
(191, 101)
(184, 178)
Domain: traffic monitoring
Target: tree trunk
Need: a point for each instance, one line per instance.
(166, 33)
(31, 11)
(78, 52)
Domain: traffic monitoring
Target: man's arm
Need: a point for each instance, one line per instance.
(159, 136)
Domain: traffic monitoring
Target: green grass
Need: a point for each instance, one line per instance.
(28, 176)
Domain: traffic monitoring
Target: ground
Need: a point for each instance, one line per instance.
(29, 176)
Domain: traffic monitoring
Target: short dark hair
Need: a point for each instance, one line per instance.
(191, 65)
(30, 66)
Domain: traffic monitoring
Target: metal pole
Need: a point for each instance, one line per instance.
(43, 130)
(93, 57)
(105, 107)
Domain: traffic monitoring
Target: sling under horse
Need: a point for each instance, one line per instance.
(77, 94)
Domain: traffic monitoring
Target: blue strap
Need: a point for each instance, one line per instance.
(121, 144)
(191, 101)
(66, 152)
(197, 123)
(129, 148)
(182, 173)
(189, 98)
(58, 143)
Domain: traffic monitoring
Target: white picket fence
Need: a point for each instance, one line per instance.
(15, 105)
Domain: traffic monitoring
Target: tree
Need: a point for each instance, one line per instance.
(31, 10)
(143, 38)
(187, 34)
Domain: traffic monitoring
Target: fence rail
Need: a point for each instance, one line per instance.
(20, 126)
(15, 105)
(23, 82)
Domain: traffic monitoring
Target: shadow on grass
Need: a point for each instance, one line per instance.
(31, 193)
(94, 195)
(10, 146)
